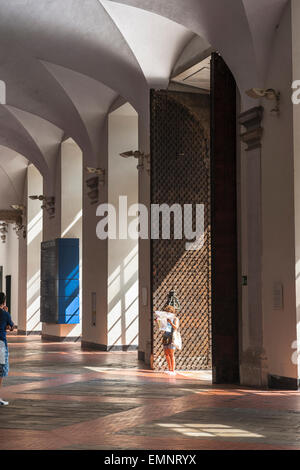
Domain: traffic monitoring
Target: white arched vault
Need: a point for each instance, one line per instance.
(82, 38)
(155, 40)
(14, 136)
(13, 170)
(92, 100)
(127, 46)
(241, 30)
(46, 136)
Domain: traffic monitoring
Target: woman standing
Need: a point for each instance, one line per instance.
(5, 322)
(168, 344)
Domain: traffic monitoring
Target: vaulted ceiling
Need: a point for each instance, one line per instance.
(66, 63)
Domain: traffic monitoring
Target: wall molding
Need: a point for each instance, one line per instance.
(28, 333)
(107, 348)
(61, 339)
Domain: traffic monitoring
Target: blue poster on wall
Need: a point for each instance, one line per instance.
(60, 281)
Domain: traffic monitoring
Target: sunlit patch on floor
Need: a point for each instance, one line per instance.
(208, 430)
(205, 375)
(64, 398)
(109, 369)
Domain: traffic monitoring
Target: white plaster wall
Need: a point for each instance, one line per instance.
(122, 254)
(296, 137)
(34, 239)
(277, 166)
(52, 230)
(12, 269)
(22, 284)
(94, 259)
(145, 323)
(3, 255)
(67, 222)
(9, 259)
(71, 209)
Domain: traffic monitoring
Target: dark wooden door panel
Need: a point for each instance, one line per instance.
(224, 224)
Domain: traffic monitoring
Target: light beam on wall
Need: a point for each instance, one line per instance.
(2, 92)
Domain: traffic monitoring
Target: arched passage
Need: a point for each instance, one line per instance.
(193, 150)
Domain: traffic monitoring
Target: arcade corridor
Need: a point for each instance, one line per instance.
(64, 398)
(149, 219)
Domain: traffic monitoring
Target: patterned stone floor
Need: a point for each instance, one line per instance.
(64, 398)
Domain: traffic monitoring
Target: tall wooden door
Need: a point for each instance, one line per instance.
(193, 161)
(225, 354)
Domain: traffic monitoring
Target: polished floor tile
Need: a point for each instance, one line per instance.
(64, 398)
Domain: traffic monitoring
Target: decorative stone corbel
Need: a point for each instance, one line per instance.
(251, 120)
(3, 231)
(15, 217)
(49, 206)
(93, 189)
(93, 183)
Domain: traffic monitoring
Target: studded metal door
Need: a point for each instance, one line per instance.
(180, 174)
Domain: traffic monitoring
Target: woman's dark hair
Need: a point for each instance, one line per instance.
(170, 309)
(2, 298)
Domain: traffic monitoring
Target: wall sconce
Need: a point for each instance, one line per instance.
(48, 204)
(270, 94)
(144, 160)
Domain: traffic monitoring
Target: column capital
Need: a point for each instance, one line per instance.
(251, 120)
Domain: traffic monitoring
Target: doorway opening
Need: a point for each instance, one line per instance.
(193, 161)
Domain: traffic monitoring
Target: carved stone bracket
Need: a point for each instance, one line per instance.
(11, 217)
(14, 217)
(93, 183)
(93, 189)
(251, 120)
(49, 206)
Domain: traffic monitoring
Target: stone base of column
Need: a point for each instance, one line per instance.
(253, 368)
(106, 348)
(28, 333)
(141, 356)
(61, 332)
(148, 354)
(60, 339)
(276, 382)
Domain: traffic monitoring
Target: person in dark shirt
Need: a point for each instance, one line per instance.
(5, 323)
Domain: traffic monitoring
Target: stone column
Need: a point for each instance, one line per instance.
(29, 260)
(145, 294)
(51, 231)
(22, 290)
(123, 251)
(101, 328)
(253, 361)
(94, 256)
(66, 221)
(295, 18)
